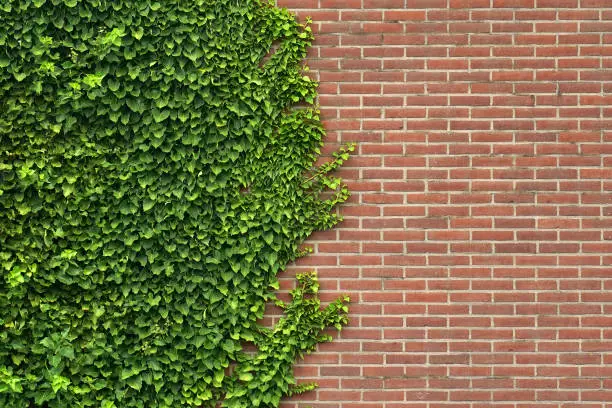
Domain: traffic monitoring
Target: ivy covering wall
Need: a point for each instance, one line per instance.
(155, 177)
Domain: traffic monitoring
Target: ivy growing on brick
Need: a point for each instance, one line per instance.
(156, 173)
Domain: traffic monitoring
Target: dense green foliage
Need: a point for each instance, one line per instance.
(155, 176)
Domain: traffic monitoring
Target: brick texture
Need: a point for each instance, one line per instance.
(478, 241)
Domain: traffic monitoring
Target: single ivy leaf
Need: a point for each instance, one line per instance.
(135, 382)
(19, 76)
(160, 116)
(138, 33)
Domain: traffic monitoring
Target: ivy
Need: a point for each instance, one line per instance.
(157, 171)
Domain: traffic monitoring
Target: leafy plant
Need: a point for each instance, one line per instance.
(155, 176)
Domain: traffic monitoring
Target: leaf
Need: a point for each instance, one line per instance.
(138, 33)
(160, 116)
(19, 76)
(113, 84)
(245, 376)
(135, 105)
(147, 204)
(93, 80)
(135, 382)
(67, 351)
(48, 343)
(59, 383)
(219, 376)
(67, 189)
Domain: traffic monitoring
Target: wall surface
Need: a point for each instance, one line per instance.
(478, 241)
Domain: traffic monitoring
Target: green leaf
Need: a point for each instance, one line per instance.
(113, 84)
(19, 76)
(147, 204)
(160, 116)
(268, 237)
(59, 383)
(67, 189)
(138, 33)
(93, 80)
(245, 376)
(67, 351)
(135, 382)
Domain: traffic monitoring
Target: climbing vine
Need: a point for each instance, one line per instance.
(157, 170)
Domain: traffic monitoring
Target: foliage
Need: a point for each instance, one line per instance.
(155, 176)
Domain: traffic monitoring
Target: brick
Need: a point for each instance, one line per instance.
(513, 3)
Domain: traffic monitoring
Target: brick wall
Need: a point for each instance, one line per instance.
(477, 243)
